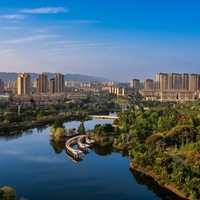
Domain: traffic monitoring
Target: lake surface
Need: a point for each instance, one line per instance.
(39, 169)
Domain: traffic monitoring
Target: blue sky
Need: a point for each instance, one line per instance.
(115, 39)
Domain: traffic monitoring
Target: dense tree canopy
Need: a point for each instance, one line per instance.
(164, 140)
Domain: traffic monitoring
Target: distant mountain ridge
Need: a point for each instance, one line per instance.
(12, 76)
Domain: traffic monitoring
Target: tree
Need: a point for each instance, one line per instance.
(180, 134)
(179, 173)
(7, 193)
(11, 117)
(108, 128)
(57, 124)
(57, 129)
(81, 128)
(98, 129)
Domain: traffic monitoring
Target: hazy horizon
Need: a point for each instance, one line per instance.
(110, 39)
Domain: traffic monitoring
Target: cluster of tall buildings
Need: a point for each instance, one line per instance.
(172, 81)
(147, 85)
(172, 87)
(177, 81)
(41, 85)
(166, 87)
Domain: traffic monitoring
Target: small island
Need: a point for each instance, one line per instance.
(58, 131)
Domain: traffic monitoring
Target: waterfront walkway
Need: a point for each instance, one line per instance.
(83, 147)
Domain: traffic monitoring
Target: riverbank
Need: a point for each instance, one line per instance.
(155, 176)
(15, 128)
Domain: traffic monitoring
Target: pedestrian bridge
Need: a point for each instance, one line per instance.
(103, 117)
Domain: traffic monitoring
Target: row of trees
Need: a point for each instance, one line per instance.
(33, 116)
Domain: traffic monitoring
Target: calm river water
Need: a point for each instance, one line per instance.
(39, 169)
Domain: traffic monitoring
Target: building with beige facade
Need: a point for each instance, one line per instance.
(23, 84)
(135, 84)
(52, 86)
(42, 84)
(162, 81)
(59, 83)
(148, 84)
(194, 82)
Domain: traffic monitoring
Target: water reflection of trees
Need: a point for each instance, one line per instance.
(152, 185)
(14, 136)
(40, 129)
(11, 137)
(108, 150)
(19, 134)
(58, 147)
(103, 151)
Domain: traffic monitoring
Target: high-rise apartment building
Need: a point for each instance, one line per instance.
(23, 83)
(135, 84)
(59, 83)
(1, 86)
(185, 81)
(162, 81)
(174, 81)
(42, 84)
(52, 86)
(193, 82)
(148, 84)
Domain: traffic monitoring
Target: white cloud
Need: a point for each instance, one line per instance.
(63, 46)
(82, 21)
(81, 45)
(13, 16)
(29, 39)
(9, 28)
(41, 30)
(65, 42)
(45, 10)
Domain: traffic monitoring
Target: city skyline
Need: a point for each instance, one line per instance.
(116, 40)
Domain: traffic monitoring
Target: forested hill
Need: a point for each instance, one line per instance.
(12, 76)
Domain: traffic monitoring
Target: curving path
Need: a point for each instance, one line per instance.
(83, 148)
